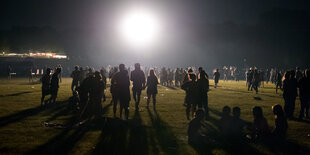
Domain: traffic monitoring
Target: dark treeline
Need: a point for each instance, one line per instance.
(279, 38)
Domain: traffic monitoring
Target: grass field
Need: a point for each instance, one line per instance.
(149, 131)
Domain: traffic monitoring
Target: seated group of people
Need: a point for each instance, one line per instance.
(234, 128)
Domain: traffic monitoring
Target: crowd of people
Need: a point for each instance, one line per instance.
(88, 87)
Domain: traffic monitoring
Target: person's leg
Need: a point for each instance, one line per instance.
(42, 98)
(206, 108)
(154, 99)
(126, 108)
(72, 85)
(138, 98)
(286, 106)
(293, 106)
(114, 105)
(188, 108)
(148, 99)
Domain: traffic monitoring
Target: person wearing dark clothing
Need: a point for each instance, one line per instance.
(255, 81)
(104, 82)
(298, 73)
(289, 93)
(9, 72)
(249, 79)
(46, 81)
(75, 78)
(260, 128)
(216, 77)
(279, 133)
(138, 79)
(55, 85)
(237, 124)
(30, 76)
(192, 98)
(151, 85)
(226, 122)
(304, 94)
(194, 134)
(278, 80)
(95, 94)
(121, 86)
(203, 88)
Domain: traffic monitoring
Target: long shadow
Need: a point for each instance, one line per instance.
(16, 94)
(170, 87)
(164, 134)
(19, 116)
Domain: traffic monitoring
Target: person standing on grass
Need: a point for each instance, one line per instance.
(289, 93)
(203, 86)
(121, 86)
(75, 78)
(151, 84)
(55, 85)
(216, 77)
(46, 81)
(104, 82)
(278, 80)
(249, 77)
(30, 76)
(255, 81)
(192, 97)
(304, 94)
(138, 80)
(60, 74)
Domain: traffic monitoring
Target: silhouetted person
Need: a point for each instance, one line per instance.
(279, 133)
(95, 93)
(289, 93)
(104, 81)
(226, 121)
(216, 77)
(55, 85)
(237, 124)
(304, 94)
(75, 78)
(278, 81)
(9, 72)
(255, 81)
(194, 134)
(249, 78)
(192, 98)
(138, 81)
(151, 85)
(30, 75)
(122, 83)
(298, 73)
(260, 128)
(46, 81)
(60, 74)
(203, 88)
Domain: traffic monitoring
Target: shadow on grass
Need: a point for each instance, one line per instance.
(16, 94)
(163, 133)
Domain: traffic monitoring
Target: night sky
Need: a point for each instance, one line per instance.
(207, 32)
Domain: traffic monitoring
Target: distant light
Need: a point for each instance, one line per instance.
(139, 27)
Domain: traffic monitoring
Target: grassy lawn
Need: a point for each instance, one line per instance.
(149, 131)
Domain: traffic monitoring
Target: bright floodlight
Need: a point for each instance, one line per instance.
(139, 28)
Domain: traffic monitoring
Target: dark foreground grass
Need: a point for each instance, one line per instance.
(148, 131)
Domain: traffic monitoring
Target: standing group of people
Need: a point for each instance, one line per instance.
(196, 88)
(50, 85)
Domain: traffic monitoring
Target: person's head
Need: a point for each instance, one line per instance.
(152, 73)
(287, 75)
(200, 69)
(217, 69)
(277, 110)
(137, 66)
(203, 75)
(48, 71)
(236, 112)
(190, 70)
(199, 114)
(257, 112)
(297, 68)
(292, 74)
(226, 111)
(97, 75)
(81, 68)
(121, 67)
(76, 67)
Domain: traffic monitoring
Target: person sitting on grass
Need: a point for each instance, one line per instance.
(237, 124)
(194, 134)
(226, 121)
(260, 128)
(279, 133)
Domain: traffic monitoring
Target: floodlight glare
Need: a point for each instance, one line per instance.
(139, 27)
